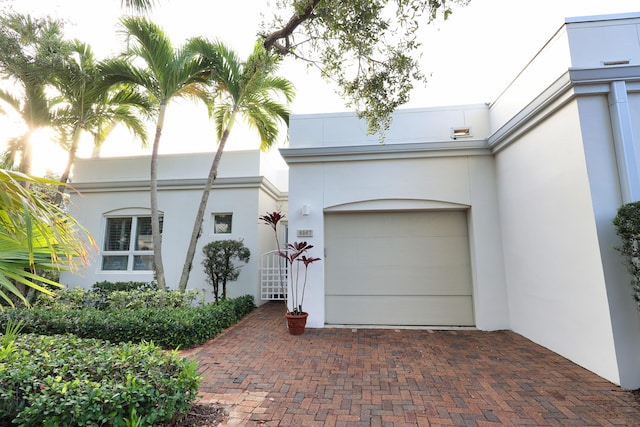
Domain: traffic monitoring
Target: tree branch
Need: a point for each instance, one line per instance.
(271, 41)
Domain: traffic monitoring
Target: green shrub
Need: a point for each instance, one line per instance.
(67, 299)
(70, 381)
(152, 298)
(627, 224)
(106, 287)
(181, 327)
(79, 298)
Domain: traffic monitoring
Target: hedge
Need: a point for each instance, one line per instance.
(182, 327)
(105, 295)
(69, 381)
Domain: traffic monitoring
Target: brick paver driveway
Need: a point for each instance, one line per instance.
(375, 377)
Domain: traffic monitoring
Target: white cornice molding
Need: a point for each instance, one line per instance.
(475, 147)
(544, 105)
(180, 184)
(573, 83)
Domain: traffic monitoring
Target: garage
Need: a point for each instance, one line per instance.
(398, 268)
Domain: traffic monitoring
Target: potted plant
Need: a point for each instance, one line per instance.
(296, 257)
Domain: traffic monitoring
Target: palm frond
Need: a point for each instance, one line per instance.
(34, 234)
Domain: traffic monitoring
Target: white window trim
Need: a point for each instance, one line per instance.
(131, 253)
(213, 223)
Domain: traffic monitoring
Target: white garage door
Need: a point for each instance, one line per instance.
(398, 268)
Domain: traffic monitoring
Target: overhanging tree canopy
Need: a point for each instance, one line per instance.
(370, 48)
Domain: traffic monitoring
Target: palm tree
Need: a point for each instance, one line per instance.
(34, 235)
(138, 5)
(88, 104)
(30, 51)
(243, 88)
(169, 73)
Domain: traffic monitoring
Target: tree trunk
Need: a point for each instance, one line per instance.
(64, 178)
(155, 216)
(26, 155)
(197, 223)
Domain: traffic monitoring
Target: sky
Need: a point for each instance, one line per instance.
(469, 58)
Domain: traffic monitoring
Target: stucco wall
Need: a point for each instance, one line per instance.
(113, 184)
(554, 275)
(434, 176)
(178, 208)
(604, 183)
(409, 125)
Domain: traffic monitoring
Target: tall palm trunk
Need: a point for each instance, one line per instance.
(197, 223)
(155, 215)
(64, 178)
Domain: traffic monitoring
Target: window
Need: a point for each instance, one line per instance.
(121, 252)
(222, 223)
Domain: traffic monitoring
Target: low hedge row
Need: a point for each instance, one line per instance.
(80, 298)
(64, 380)
(181, 327)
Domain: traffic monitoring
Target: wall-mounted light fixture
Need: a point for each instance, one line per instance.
(306, 210)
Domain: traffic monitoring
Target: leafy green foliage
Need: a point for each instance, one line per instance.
(627, 224)
(101, 299)
(182, 327)
(35, 235)
(246, 88)
(165, 73)
(87, 104)
(31, 49)
(219, 263)
(106, 287)
(370, 48)
(66, 380)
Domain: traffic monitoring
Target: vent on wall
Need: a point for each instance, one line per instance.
(463, 132)
(615, 62)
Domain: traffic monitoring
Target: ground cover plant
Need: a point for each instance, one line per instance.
(108, 356)
(69, 381)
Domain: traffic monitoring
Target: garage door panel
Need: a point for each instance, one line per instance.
(415, 260)
(416, 251)
(364, 280)
(399, 310)
(405, 224)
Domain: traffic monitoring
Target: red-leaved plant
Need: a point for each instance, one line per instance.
(296, 255)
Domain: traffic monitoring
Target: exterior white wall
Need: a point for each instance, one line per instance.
(554, 275)
(604, 181)
(121, 184)
(170, 166)
(409, 125)
(393, 177)
(559, 181)
(540, 73)
(598, 40)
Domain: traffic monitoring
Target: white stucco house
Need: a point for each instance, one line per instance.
(112, 203)
(494, 216)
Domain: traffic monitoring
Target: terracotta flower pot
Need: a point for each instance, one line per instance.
(296, 322)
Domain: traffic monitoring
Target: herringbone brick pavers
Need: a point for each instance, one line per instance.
(402, 377)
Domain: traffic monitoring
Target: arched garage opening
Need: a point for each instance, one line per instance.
(409, 268)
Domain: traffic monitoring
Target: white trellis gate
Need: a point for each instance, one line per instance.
(273, 277)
